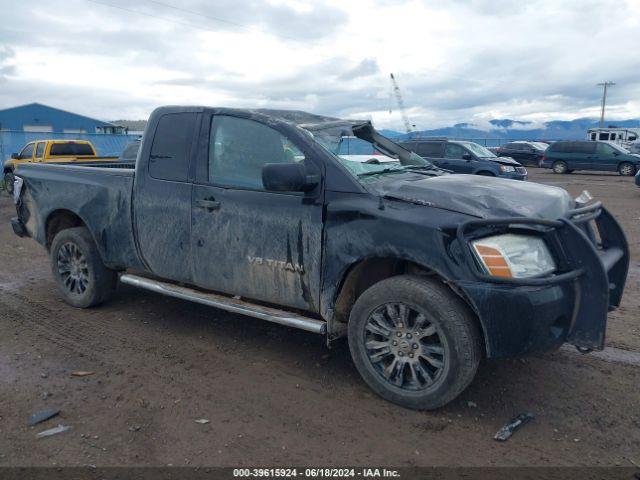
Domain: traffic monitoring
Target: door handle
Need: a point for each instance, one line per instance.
(209, 204)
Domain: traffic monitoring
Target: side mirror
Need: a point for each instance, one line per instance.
(467, 156)
(15, 156)
(616, 153)
(288, 177)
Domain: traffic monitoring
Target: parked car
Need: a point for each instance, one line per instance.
(638, 178)
(466, 157)
(423, 271)
(567, 156)
(58, 151)
(527, 153)
(130, 152)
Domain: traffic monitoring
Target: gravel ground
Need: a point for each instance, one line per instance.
(276, 396)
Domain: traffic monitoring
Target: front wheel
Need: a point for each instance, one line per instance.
(627, 169)
(8, 182)
(82, 278)
(414, 342)
(560, 167)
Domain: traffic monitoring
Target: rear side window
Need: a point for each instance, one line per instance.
(429, 149)
(40, 149)
(70, 149)
(169, 158)
(583, 147)
(560, 147)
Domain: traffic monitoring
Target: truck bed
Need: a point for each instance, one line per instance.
(98, 194)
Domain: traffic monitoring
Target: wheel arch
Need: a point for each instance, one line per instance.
(629, 162)
(366, 272)
(487, 173)
(58, 220)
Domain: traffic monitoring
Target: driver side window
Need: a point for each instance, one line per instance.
(454, 151)
(239, 148)
(604, 149)
(27, 152)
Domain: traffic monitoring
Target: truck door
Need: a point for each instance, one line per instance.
(247, 241)
(162, 200)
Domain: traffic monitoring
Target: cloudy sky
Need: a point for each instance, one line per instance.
(455, 61)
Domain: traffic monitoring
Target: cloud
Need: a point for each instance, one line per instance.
(368, 66)
(463, 61)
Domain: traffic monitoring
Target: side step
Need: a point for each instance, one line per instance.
(227, 303)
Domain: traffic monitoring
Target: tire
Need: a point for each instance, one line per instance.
(560, 167)
(627, 169)
(82, 278)
(484, 173)
(437, 350)
(8, 182)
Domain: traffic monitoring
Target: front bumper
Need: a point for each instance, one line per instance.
(524, 316)
(519, 174)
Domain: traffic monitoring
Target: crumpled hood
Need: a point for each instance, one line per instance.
(483, 197)
(504, 161)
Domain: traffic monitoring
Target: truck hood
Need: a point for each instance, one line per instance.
(479, 196)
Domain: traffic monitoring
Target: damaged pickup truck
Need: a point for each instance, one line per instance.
(425, 272)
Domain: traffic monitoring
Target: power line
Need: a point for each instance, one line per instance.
(221, 20)
(199, 14)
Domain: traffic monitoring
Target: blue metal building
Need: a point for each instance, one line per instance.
(22, 124)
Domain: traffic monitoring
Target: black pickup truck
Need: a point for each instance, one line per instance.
(424, 271)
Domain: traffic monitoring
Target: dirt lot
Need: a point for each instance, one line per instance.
(276, 396)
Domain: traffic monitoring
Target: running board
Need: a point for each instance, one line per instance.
(227, 303)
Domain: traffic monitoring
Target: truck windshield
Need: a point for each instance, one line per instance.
(479, 150)
(365, 159)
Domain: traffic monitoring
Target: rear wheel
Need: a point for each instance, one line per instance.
(627, 169)
(560, 167)
(414, 342)
(82, 278)
(8, 182)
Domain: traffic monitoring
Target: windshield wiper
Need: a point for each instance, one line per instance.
(384, 170)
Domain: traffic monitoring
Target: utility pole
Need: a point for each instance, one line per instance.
(604, 99)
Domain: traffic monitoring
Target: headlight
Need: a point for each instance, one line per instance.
(507, 168)
(514, 256)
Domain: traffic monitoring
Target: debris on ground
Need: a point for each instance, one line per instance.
(472, 405)
(53, 431)
(202, 421)
(82, 373)
(41, 416)
(45, 395)
(505, 432)
(135, 428)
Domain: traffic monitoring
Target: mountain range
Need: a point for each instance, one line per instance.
(498, 131)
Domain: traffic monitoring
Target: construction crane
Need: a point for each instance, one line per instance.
(398, 95)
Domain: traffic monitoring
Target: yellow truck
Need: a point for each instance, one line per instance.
(51, 151)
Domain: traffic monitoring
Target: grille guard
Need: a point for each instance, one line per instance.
(597, 269)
